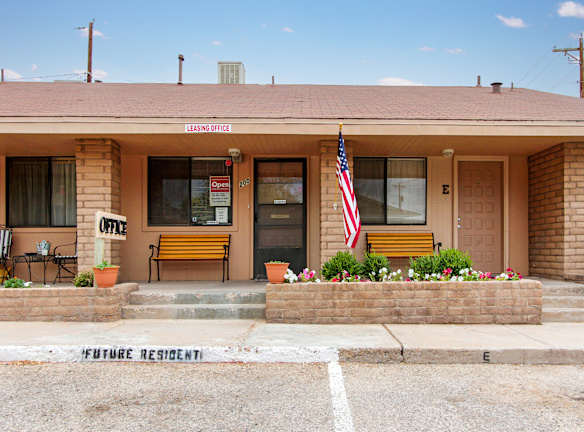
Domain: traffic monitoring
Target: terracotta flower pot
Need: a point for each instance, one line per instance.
(107, 277)
(276, 271)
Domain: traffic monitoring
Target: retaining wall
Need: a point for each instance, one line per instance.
(64, 304)
(515, 302)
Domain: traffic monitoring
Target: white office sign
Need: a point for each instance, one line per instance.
(110, 226)
(200, 127)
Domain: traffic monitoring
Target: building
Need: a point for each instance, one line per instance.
(506, 188)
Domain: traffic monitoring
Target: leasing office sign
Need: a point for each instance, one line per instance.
(217, 128)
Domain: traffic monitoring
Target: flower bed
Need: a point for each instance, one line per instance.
(407, 302)
(64, 304)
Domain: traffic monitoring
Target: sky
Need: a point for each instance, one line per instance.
(433, 43)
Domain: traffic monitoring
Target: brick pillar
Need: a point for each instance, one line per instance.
(332, 234)
(98, 188)
(556, 212)
(573, 211)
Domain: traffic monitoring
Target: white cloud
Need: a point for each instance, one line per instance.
(216, 43)
(576, 35)
(200, 57)
(512, 21)
(366, 61)
(571, 9)
(11, 75)
(287, 30)
(455, 51)
(34, 67)
(85, 33)
(99, 74)
(397, 82)
(427, 49)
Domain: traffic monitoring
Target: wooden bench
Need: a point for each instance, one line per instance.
(190, 248)
(402, 245)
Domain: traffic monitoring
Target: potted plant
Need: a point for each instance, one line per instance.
(106, 274)
(276, 270)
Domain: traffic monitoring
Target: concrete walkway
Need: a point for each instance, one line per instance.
(257, 341)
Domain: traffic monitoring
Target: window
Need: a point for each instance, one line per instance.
(189, 191)
(391, 191)
(42, 192)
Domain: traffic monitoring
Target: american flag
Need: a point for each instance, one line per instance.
(350, 210)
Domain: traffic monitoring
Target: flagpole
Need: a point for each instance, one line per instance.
(337, 182)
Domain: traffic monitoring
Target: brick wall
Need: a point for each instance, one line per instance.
(517, 302)
(332, 234)
(556, 212)
(64, 304)
(98, 188)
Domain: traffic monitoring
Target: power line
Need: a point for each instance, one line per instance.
(42, 77)
(540, 60)
(560, 81)
(542, 71)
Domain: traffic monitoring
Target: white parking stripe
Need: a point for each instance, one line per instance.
(341, 410)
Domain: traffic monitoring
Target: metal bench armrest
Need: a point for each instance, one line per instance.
(152, 247)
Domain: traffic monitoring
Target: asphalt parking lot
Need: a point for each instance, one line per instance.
(289, 397)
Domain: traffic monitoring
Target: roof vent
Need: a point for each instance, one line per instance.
(181, 59)
(497, 87)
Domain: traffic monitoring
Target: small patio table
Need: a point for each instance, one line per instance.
(32, 258)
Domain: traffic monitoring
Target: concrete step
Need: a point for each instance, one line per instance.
(195, 311)
(562, 314)
(563, 301)
(563, 290)
(197, 297)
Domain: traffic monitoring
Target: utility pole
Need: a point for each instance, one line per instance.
(89, 49)
(579, 60)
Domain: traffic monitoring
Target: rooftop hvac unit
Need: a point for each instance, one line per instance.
(230, 73)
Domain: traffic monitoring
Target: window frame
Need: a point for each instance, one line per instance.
(190, 195)
(49, 179)
(387, 159)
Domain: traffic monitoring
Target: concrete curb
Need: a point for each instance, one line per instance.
(263, 354)
(166, 354)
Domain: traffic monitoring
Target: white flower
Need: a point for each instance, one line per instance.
(411, 272)
(427, 276)
(453, 278)
(27, 284)
(460, 278)
(398, 271)
(317, 281)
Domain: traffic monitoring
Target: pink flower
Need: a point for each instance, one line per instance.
(509, 269)
(311, 274)
(408, 280)
(488, 274)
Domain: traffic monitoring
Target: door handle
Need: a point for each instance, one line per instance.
(459, 226)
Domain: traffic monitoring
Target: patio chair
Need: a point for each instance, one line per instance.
(66, 264)
(5, 245)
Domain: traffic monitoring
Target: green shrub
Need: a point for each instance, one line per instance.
(372, 264)
(14, 283)
(341, 261)
(453, 259)
(83, 279)
(446, 259)
(425, 264)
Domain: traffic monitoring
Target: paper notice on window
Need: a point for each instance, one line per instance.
(221, 214)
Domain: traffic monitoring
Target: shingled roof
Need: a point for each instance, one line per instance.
(308, 102)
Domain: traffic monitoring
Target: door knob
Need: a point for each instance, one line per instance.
(459, 226)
